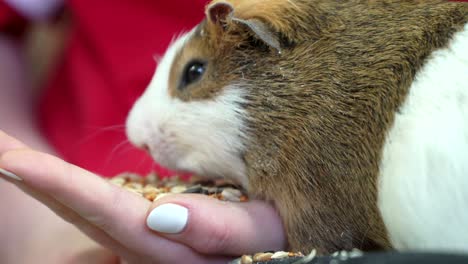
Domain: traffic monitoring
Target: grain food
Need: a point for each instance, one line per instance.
(151, 187)
(269, 257)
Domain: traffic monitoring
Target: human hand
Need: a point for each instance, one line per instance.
(208, 230)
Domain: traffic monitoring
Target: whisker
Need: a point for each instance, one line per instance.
(125, 151)
(99, 130)
(113, 152)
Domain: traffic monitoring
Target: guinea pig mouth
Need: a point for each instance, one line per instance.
(164, 157)
(183, 158)
(169, 157)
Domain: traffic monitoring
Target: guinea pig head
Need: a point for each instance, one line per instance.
(194, 115)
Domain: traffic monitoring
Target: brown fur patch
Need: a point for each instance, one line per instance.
(199, 47)
(319, 112)
(301, 26)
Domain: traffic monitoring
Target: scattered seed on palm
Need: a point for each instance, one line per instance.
(151, 187)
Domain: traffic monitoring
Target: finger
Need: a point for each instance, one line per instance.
(9, 143)
(72, 217)
(83, 192)
(119, 213)
(212, 226)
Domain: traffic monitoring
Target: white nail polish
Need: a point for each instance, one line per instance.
(10, 175)
(168, 218)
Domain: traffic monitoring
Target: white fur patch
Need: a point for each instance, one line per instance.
(423, 194)
(204, 137)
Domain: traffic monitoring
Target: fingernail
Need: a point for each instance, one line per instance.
(10, 175)
(168, 218)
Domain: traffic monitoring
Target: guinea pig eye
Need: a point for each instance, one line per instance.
(193, 72)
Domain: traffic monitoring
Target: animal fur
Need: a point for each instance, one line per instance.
(305, 123)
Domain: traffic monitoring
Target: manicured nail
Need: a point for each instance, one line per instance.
(168, 218)
(10, 175)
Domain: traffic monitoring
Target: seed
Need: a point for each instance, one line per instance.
(246, 259)
(133, 177)
(244, 198)
(161, 195)
(118, 181)
(311, 256)
(134, 185)
(194, 189)
(172, 184)
(150, 196)
(150, 189)
(216, 196)
(233, 191)
(211, 190)
(208, 190)
(262, 256)
(343, 255)
(231, 195)
(137, 191)
(355, 253)
(236, 261)
(280, 254)
(164, 189)
(150, 192)
(178, 189)
(151, 178)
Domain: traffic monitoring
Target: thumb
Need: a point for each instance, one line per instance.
(211, 226)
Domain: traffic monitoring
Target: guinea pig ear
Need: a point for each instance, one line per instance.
(261, 31)
(218, 13)
(221, 13)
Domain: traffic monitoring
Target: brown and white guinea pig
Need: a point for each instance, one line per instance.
(351, 116)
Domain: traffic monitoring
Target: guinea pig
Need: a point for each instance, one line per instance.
(349, 116)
